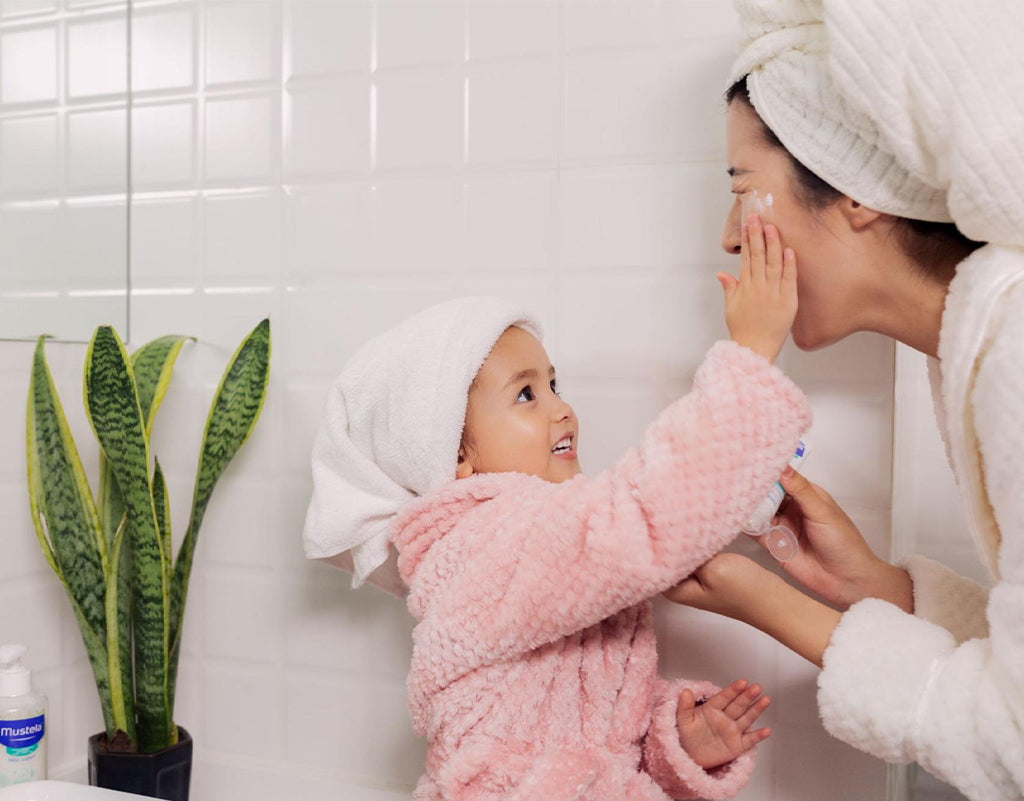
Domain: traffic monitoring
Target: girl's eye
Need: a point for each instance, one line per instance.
(554, 386)
(525, 391)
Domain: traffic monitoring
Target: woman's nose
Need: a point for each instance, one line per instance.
(731, 231)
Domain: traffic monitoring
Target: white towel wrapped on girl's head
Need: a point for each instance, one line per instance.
(392, 426)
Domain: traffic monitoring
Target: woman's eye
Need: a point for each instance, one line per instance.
(526, 393)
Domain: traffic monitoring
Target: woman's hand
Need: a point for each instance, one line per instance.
(761, 305)
(834, 560)
(720, 729)
(727, 584)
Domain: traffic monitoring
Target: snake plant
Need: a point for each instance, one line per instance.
(113, 552)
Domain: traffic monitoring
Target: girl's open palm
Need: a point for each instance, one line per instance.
(761, 304)
(719, 730)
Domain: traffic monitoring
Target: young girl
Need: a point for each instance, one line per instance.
(534, 669)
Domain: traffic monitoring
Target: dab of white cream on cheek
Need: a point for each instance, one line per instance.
(753, 203)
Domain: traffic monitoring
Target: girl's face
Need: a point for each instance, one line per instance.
(831, 277)
(515, 420)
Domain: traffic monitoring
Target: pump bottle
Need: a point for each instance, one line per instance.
(22, 721)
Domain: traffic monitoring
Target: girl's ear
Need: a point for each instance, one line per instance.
(464, 469)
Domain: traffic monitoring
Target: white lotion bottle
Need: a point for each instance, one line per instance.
(22, 721)
(781, 541)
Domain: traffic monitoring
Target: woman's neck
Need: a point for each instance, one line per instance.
(909, 306)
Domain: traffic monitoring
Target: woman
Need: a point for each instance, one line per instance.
(873, 125)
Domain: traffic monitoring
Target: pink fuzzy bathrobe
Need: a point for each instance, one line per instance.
(534, 669)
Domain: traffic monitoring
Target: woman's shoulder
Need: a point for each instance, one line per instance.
(1005, 330)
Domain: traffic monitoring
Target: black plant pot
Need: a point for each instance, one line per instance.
(164, 774)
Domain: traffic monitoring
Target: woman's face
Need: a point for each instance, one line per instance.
(831, 281)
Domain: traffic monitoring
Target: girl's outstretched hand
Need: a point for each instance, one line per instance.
(760, 306)
(720, 729)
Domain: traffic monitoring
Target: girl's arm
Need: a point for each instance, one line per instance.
(541, 561)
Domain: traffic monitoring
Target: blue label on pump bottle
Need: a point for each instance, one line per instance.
(17, 735)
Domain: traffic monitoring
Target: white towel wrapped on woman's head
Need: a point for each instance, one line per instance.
(785, 51)
(393, 423)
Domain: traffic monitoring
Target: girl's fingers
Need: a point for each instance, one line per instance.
(745, 252)
(724, 698)
(773, 253)
(742, 702)
(755, 234)
(788, 272)
(752, 738)
(754, 711)
(728, 282)
(686, 701)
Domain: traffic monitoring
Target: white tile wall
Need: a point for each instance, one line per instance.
(340, 165)
(63, 170)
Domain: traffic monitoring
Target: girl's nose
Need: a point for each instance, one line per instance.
(731, 231)
(561, 410)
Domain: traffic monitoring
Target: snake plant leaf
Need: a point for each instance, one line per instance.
(112, 405)
(233, 413)
(163, 513)
(65, 516)
(153, 365)
(123, 621)
(122, 691)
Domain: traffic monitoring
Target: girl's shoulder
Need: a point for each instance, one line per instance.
(430, 518)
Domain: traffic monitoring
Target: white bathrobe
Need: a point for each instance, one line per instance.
(945, 686)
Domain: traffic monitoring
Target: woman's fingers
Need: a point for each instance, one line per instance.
(686, 592)
(806, 495)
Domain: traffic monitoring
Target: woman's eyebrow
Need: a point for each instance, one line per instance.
(530, 373)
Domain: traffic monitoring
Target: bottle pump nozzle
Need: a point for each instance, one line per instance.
(15, 678)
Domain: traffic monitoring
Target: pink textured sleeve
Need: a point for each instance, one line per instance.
(557, 558)
(671, 767)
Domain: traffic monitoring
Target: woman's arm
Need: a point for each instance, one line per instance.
(737, 587)
(799, 622)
